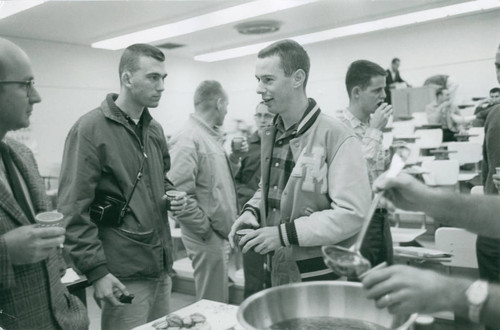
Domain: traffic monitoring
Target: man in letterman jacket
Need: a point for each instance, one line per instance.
(315, 189)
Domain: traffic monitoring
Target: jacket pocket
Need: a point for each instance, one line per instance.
(132, 255)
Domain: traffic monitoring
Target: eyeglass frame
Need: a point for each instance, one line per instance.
(28, 83)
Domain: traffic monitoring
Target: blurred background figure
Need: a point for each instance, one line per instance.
(247, 182)
(484, 108)
(443, 81)
(393, 79)
(444, 112)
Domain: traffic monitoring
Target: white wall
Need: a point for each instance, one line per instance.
(74, 79)
(463, 47)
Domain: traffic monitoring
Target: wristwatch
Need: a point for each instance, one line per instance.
(476, 294)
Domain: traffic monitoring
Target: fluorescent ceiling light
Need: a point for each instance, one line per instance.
(210, 20)
(9, 8)
(355, 29)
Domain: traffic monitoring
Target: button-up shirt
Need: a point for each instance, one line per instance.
(371, 140)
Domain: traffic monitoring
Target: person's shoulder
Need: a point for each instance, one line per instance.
(18, 147)
(332, 122)
(493, 117)
(90, 119)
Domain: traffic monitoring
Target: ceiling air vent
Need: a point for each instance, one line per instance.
(170, 45)
(258, 27)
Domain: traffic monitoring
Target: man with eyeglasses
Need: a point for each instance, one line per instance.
(112, 186)
(247, 182)
(31, 293)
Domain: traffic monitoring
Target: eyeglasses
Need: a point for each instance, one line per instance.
(29, 84)
(264, 115)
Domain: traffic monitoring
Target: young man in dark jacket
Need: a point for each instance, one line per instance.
(119, 151)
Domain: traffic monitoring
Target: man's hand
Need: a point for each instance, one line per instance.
(178, 204)
(403, 191)
(30, 244)
(407, 290)
(107, 289)
(247, 220)
(381, 116)
(262, 240)
(239, 147)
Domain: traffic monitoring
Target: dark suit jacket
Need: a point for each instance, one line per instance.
(32, 293)
(389, 81)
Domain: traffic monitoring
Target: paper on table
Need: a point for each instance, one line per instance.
(70, 276)
(405, 235)
(421, 252)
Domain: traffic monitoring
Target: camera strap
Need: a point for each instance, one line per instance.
(137, 179)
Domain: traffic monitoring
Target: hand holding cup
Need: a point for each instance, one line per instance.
(239, 145)
(177, 200)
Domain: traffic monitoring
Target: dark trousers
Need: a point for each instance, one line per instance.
(449, 135)
(488, 260)
(256, 277)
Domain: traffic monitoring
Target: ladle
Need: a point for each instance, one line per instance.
(349, 261)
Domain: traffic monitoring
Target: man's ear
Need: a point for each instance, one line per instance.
(355, 92)
(299, 77)
(125, 78)
(218, 104)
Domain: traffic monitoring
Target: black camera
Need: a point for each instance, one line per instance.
(107, 210)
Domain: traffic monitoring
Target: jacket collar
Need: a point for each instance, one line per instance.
(214, 131)
(113, 112)
(308, 118)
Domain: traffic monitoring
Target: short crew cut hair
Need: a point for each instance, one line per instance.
(394, 60)
(360, 74)
(130, 57)
(293, 57)
(208, 91)
(495, 90)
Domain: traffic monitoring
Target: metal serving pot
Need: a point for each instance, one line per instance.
(335, 299)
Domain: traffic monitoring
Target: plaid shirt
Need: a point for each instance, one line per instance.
(282, 159)
(371, 141)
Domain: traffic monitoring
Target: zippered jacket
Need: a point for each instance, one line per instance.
(104, 154)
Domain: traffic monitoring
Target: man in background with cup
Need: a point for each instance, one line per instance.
(31, 293)
(247, 182)
(112, 193)
(368, 115)
(201, 168)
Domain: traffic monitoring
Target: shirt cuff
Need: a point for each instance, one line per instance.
(373, 134)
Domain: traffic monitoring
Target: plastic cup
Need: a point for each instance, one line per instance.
(49, 219)
(238, 142)
(239, 235)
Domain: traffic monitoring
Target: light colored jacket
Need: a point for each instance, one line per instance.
(330, 178)
(201, 168)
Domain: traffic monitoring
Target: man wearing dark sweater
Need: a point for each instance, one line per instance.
(247, 182)
(488, 249)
